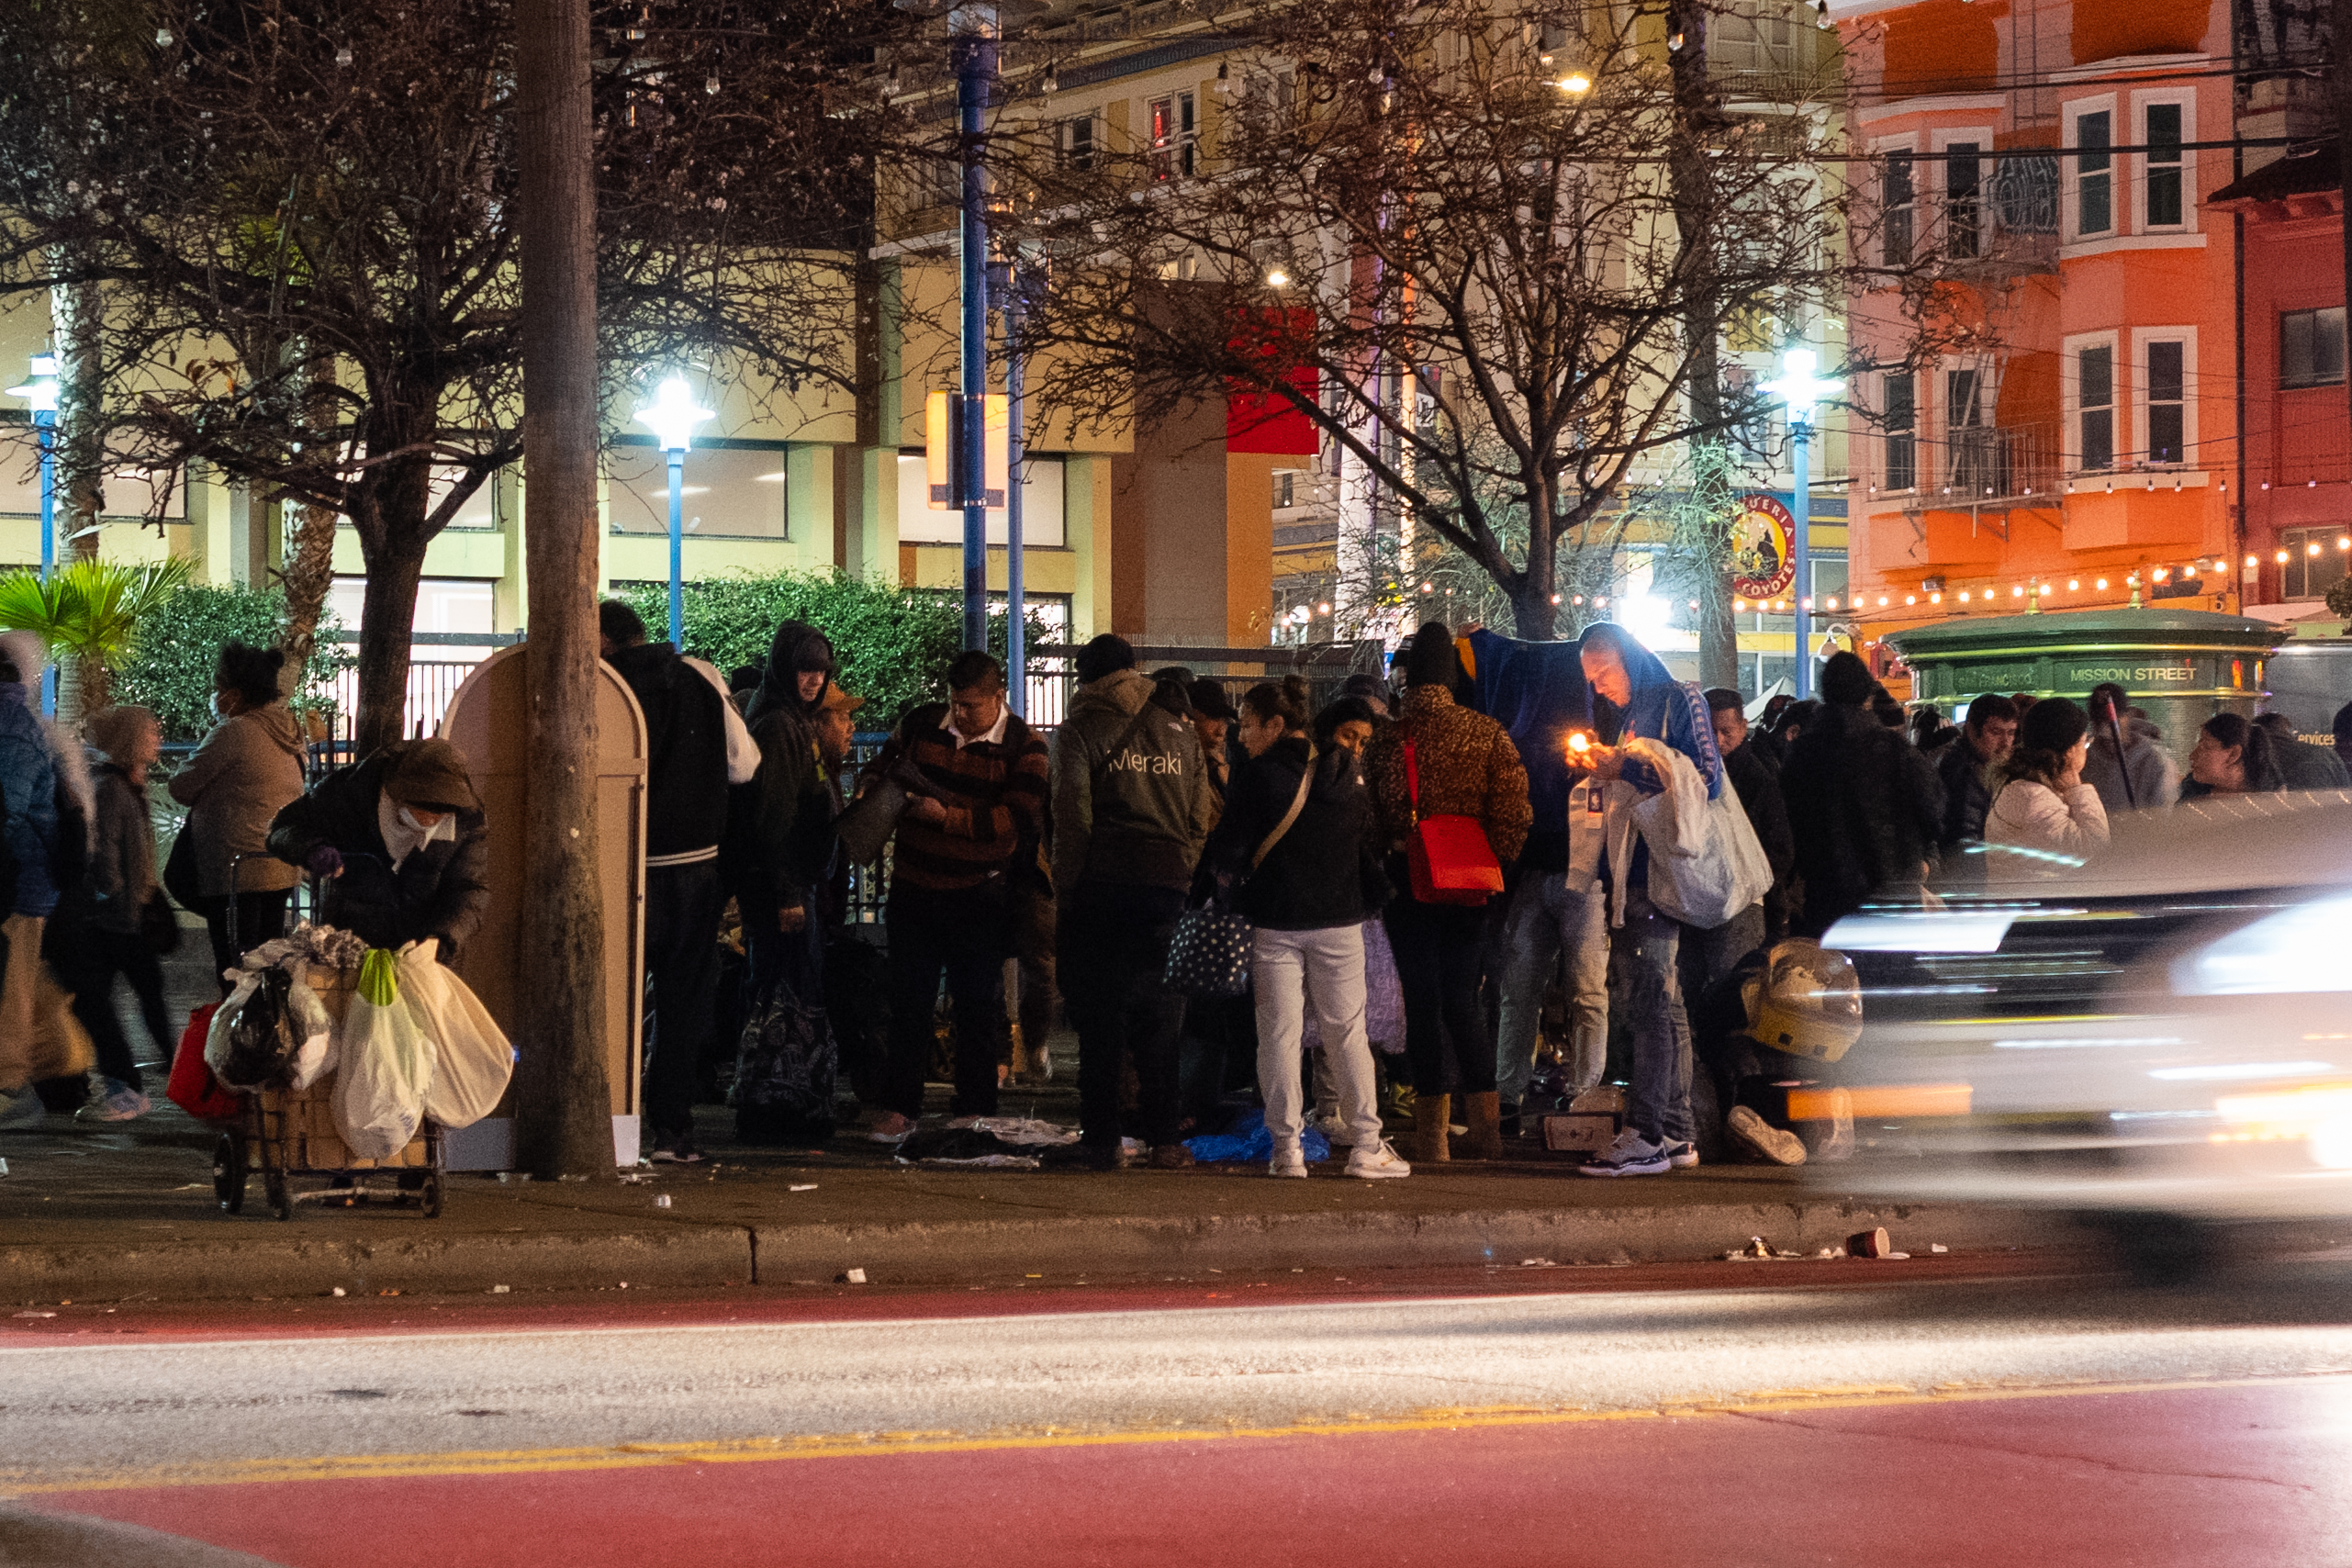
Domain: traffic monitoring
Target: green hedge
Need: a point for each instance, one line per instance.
(894, 643)
(171, 665)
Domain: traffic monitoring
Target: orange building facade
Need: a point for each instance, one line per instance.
(2047, 391)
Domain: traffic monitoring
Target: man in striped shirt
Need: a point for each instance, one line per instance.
(975, 776)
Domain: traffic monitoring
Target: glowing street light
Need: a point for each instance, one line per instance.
(1798, 389)
(40, 390)
(672, 416)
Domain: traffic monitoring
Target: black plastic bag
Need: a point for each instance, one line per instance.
(263, 1041)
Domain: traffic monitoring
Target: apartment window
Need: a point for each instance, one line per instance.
(2310, 348)
(1077, 142)
(2167, 404)
(1971, 443)
(2163, 183)
(2094, 173)
(1903, 432)
(2095, 404)
(1896, 194)
(1174, 129)
(1962, 187)
(2314, 561)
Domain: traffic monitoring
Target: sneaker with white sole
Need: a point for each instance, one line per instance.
(1774, 1144)
(1631, 1155)
(123, 1104)
(1288, 1161)
(1377, 1162)
(1681, 1153)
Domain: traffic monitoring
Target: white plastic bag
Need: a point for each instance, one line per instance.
(317, 1056)
(216, 1038)
(388, 1063)
(472, 1059)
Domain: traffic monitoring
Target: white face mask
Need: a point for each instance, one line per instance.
(408, 820)
(216, 706)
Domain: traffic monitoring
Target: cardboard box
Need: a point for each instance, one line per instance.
(1609, 1097)
(1581, 1132)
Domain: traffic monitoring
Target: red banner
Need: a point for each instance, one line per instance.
(1267, 421)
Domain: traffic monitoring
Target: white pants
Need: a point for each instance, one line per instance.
(1289, 968)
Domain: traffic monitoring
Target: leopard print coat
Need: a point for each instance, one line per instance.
(1467, 766)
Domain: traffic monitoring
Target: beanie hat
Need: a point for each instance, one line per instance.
(1846, 680)
(431, 774)
(1106, 655)
(1431, 661)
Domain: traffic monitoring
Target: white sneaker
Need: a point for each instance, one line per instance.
(123, 1104)
(1378, 1162)
(1681, 1153)
(1774, 1143)
(1631, 1155)
(1289, 1160)
(1334, 1128)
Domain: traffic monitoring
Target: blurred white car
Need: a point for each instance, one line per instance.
(2163, 1029)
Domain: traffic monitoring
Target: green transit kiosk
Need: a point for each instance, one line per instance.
(2181, 665)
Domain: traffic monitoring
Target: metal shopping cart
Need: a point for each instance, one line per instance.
(284, 1133)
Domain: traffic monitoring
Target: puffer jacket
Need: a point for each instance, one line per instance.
(1865, 808)
(441, 890)
(1132, 798)
(1468, 768)
(2030, 815)
(246, 771)
(28, 793)
(1313, 879)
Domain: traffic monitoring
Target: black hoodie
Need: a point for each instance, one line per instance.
(1313, 879)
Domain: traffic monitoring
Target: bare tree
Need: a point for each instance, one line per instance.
(1503, 251)
(302, 219)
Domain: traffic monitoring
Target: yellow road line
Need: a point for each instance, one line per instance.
(26, 1482)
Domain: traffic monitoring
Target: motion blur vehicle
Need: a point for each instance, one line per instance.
(2158, 1037)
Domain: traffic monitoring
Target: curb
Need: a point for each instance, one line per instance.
(708, 1255)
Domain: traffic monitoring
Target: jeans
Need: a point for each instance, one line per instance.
(260, 918)
(960, 933)
(1439, 947)
(1644, 947)
(682, 908)
(1708, 956)
(1112, 961)
(90, 961)
(1545, 920)
(1289, 968)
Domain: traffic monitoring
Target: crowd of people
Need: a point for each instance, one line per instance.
(1487, 833)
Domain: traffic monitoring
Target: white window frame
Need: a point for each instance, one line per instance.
(1174, 156)
(1065, 129)
(2186, 98)
(2070, 172)
(2069, 377)
(1942, 141)
(2141, 338)
(1879, 150)
(1947, 443)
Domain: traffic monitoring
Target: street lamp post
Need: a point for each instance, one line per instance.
(1008, 278)
(672, 416)
(40, 391)
(1797, 388)
(974, 31)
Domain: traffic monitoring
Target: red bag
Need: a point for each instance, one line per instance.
(1449, 857)
(193, 1088)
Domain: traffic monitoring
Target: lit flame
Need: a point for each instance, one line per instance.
(1577, 742)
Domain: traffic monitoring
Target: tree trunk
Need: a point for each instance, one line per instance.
(83, 686)
(310, 552)
(387, 616)
(564, 1112)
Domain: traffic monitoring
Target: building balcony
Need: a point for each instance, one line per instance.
(1977, 469)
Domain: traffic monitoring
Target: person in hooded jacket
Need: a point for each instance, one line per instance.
(2127, 764)
(108, 935)
(399, 846)
(1466, 765)
(247, 770)
(1864, 807)
(1291, 849)
(1132, 807)
(696, 746)
(1635, 698)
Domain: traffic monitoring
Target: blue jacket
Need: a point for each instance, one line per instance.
(1662, 709)
(28, 793)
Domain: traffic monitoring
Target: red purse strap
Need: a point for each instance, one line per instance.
(1412, 780)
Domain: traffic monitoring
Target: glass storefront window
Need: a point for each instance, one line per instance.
(730, 492)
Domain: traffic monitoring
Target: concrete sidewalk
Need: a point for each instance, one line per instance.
(99, 1212)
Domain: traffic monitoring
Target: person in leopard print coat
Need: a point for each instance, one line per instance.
(1468, 767)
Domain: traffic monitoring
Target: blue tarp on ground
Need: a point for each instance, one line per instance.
(1247, 1139)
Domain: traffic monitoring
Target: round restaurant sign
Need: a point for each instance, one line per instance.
(1764, 536)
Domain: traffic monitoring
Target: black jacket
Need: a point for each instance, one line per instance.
(440, 891)
(1756, 780)
(1863, 807)
(685, 750)
(1313, 880)
(1967, 797)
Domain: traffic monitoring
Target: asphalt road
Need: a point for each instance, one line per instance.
(1767, 1412)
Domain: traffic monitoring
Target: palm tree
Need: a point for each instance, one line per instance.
(88, 611)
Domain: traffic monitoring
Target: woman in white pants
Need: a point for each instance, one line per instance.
(1291, 848)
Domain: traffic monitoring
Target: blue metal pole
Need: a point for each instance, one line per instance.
(1016, 665)
(45, 421)
(975, 47)
(677, 548)
(1800, 431)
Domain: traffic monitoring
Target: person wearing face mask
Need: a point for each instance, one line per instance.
(246, 771)
(2045, 804)
(400, 846)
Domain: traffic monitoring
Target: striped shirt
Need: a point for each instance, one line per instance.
(994, 792)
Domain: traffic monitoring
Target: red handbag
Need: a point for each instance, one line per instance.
(193, 1088)
(1449, 857)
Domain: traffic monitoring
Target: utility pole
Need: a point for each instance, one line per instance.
(2341, 51)
(564, 1114)
(973, 30)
